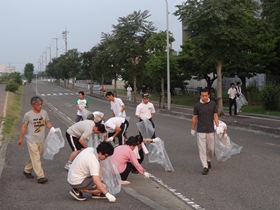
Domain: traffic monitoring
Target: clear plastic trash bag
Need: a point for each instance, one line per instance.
(110, 175)
(85, 113)
(52, 144)
(158, 154)
(224, 148)
(241, 101)
(146, 129)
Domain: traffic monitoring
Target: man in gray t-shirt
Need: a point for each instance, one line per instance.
(205, 112)
(35, 122)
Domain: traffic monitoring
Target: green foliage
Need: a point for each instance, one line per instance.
(12, 86)
(28, 71)
(270, 96)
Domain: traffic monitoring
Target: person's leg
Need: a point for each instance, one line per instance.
(126, 172)
(78, 118)
(35, 151)
(230, 106)
(201, 143)
(210, 141)
(121, 135)
(235, 107)
(153, 124)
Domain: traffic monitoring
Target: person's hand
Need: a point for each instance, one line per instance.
(110, 197)
(225, 135)
(110, 139)
(146, 174)
(156, 140)
(120, 114)
(193, 132)
(219, 130)
(52, 130)
(20, 142)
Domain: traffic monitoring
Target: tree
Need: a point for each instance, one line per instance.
(219, 29)
(130, 35)
(28, 72)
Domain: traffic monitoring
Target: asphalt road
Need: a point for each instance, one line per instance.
(246, 181)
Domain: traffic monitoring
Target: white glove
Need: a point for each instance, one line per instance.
(219, 130)
(146, 174)
(225, 135)
(52, 130)
(120, 114)
(110, 197)
(110, 139)
(193, 132)
(156, 140)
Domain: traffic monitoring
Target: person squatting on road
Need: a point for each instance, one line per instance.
(34, 122)
(145, 111)
(85, 174)
(205, 112)
(125, 160)
(116, 127)
(117, 105)
(77, 134)
(81, 105)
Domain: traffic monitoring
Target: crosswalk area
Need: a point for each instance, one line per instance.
(58, 94)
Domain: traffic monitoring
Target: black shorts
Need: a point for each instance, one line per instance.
(74, 142)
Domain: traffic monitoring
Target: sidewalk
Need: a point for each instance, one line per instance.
(257, 122)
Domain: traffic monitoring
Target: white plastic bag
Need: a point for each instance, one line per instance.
(110, 175)
(224, 148)
(52, 144)
(158, 154)
(146, 129)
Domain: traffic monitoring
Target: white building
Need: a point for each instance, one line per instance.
(4, 69)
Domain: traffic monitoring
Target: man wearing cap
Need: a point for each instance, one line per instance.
(145, 111)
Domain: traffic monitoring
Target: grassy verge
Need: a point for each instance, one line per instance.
(13, 109)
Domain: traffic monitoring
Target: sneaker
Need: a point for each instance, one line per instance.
(125, 182)
(209, 164)
(42, 180)
(77, 195)
(67, 166)
(205, 171)
(28, 175)
(98, 196)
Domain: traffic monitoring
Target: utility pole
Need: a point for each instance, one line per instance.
(56, 47)
(50, 53)
(167, 56)
(64, 35)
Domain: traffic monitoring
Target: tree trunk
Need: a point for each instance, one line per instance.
(219, 88)
(134, 89)
(115, 87)
(162, 105)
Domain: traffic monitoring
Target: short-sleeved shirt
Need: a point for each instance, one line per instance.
(35, 125)
(81, 129)
(116, 106)
(232, 93)
(145, 110)
(205, 116)
(84, 165)
(98, 116)
(82, 104)
(110, 125)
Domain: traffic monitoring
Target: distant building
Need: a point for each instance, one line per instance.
(4, 69)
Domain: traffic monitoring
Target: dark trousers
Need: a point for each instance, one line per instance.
(126, 172)
(121, 135)
(232, 102)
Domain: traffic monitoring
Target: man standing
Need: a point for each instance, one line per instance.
(129, 90)
(146, 110)
(81, 105)
(34, 122)
(205, 111)
(117, 105)
(85, 174)
(232, 93)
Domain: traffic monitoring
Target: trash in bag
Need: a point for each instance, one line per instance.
(146, 129)
(110, 175)
(52, 144)
(158, 154)
(224, 148)
(85, 113)
(241, 101)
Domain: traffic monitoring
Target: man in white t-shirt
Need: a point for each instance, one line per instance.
(129, 90)
(232, 93)
(84, 175)
(117, 105)
(145, 111)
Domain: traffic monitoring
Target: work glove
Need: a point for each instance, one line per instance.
(156, 140)
(146, 174)
(193, 132)
(52, 130)
(110, 197)
(110, 139)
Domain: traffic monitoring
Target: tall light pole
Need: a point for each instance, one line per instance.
(167, 57)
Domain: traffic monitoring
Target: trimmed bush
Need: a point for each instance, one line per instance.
(270, 95)
(12, 86)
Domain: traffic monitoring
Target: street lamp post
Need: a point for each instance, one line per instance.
(167, 57)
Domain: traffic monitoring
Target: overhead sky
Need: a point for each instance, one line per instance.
(29, 28)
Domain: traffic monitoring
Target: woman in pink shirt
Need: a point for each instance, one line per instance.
(125, 159)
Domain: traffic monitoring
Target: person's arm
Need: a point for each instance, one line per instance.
(48, 124)
(23, 129)
(135, 163)
(86, 103)
(194, 121)
(123, 108)
(216, 119)
(82, 142)
(117, 130)
(100, 186)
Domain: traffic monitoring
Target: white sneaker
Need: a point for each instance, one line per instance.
(67, 166)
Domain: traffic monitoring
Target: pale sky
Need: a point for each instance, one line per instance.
(28, 27)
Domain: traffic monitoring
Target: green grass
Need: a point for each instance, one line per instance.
(13, 109)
